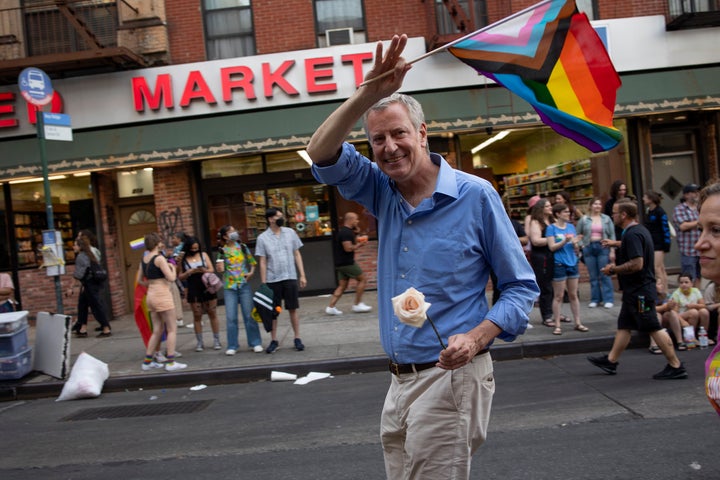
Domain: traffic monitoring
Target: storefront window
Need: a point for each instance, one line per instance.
(4, 244)
(231, 167)
(284, 161)
(30, 217)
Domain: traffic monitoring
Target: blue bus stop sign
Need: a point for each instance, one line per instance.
(35, 86)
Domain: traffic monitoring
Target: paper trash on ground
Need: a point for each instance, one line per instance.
(311, 377)
(198, 387)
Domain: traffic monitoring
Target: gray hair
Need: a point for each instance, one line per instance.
(413, 107)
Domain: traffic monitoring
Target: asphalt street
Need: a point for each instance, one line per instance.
(554, 417)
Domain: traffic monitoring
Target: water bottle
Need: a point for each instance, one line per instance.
(702, 338)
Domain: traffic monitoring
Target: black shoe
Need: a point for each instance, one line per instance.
(76, 327)
(272, 347)
(105, 334)
(604, 364)
(671, 373)
(80, 334)
(299, 345)
(98, 329)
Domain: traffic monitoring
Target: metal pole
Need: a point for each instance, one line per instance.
(48, 198)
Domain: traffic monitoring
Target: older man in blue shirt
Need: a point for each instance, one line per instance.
(441, 231)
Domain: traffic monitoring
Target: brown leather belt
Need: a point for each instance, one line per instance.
(404, 368)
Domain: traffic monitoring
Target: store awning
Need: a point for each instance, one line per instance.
(291, 128)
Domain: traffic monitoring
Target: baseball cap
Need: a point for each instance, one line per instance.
(533, 200)
(690, 187)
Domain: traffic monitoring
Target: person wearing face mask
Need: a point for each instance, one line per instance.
(238, 264)
(281, 268)
(191, 269)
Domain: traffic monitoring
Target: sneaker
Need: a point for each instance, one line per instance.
(180, 323)
(604, 364)
(257, 348)
(608, 305)
(174, 366)
(299, 345)
(332, 311)
(529, 326)
(230, 351)
(671, 373)
(272, 347)
(200, 347)
(592, 305)
(151, 365)
(361, 308)
(159, 357)
(217, 345)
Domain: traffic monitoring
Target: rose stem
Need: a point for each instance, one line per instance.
(432, 324)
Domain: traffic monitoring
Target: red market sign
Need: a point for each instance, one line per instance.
(318, 78)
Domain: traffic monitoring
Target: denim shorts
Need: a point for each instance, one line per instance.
(563, 272)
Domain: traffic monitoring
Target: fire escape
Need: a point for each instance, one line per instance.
(68, 38)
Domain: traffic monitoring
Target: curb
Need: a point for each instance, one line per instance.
(27, 391)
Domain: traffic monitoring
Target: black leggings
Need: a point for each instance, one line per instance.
(543, 265)
(90, 298)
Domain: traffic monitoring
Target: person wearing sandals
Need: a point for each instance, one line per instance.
(193, 265)
(541, 258)
(563, 242)
(159, 273)
(90, 291)
(238, 264)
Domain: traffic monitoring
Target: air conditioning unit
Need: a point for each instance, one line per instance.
(339, 36)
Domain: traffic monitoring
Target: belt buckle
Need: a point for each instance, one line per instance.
(395, 368)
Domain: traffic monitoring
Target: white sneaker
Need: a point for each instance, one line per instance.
(592, 305)
(171, 367)
(151, 365)
(529, 326)
(180, 323)
(258, 349)
(608, 305)
(200, 347)
(332, 311)
(159, 357)
(230, 352)
(217, 345)
(361, 308)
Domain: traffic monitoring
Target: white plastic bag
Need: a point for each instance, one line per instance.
(86, 378)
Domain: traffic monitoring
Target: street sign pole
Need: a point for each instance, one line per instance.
(48, 199)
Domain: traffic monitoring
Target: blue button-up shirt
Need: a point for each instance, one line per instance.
(445, 248)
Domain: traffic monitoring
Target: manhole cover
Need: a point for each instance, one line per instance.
(140, 410)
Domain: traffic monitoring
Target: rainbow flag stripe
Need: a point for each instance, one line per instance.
(552, 58)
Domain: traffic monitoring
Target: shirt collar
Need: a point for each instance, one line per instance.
(446, 183)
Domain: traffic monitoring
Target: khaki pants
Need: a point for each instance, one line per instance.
(434, 420)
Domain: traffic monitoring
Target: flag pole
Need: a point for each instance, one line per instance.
(450, 44)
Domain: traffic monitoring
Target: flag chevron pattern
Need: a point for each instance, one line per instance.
(551, 57)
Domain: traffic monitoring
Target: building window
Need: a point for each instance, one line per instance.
(475, 9)
(229, 31)
(339, 22)
(588, 7)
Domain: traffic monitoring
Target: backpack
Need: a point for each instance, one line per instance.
(212, 282)
(96, 273)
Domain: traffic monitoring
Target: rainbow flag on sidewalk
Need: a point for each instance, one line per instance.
(550, 56)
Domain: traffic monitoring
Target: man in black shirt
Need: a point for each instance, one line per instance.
(636, 274)
(345, 265)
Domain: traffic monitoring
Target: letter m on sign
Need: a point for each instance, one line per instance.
(162, 94)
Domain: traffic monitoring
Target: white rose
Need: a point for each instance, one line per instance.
(411, 307)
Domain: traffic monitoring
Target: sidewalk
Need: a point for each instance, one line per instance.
(336, 344)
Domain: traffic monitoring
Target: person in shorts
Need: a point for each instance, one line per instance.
(346, 268)
(281, 268)
(636, 273)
